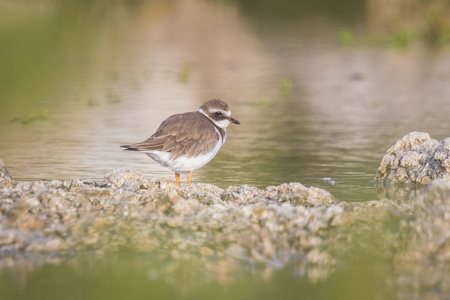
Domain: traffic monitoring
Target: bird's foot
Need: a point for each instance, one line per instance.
(189, 178)
(177, 177)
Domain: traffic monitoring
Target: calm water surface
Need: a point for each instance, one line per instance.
(80, 79)
(101, 76)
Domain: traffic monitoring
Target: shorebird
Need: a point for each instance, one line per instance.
(186, 142)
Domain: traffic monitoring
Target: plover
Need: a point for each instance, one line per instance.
(186, 142)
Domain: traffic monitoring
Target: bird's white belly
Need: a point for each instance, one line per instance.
(184, 164)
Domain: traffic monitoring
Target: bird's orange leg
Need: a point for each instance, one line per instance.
(189, 177)
(177, 177)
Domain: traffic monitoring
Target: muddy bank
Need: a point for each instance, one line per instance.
(223, 230)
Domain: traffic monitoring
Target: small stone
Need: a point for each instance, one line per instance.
(19, 208)
(186, 207)
(125, 179)
(30, 223)
(206, 251)
(235, 251)
(7, 237)
(174, 222)
(100, 223)
(260, 212)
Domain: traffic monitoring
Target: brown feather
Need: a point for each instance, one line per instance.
(189, 133)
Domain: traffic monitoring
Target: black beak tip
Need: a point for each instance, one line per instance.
(234, 121)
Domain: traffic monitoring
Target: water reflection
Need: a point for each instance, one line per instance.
(143, 276)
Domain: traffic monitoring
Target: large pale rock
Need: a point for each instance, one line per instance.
(415, 159)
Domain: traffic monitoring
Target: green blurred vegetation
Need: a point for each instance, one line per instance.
(92, 102)
(431, 28)
(185, 72)
(285, 86)
(31, 118)
(399, 40)
(113, 98)
(346, 37)
(258, 101)
(349, 11)
(437, 30)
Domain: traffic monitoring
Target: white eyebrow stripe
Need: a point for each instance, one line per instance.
(225, 112)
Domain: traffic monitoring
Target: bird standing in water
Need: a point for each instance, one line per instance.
(186, 142)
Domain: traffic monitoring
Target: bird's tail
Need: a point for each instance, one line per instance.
(128, 148)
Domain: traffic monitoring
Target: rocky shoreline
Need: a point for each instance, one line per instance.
(290, 224)
(130, 211)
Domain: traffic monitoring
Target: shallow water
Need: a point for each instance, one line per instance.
(310, 108)
(79, 79)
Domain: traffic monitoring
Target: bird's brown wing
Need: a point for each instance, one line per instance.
(188, 133)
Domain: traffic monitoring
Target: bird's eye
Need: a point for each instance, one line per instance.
(218, 113)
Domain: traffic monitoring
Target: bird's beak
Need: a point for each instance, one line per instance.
(234, 121)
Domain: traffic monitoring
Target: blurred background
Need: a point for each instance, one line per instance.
(322, 89)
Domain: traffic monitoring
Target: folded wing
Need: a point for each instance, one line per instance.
(183, 134)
